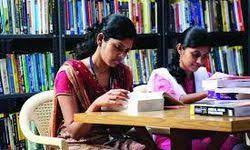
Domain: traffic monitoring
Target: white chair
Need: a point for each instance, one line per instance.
(38, 109)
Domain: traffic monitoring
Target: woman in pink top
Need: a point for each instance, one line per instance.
(98, 81)
(182, 80)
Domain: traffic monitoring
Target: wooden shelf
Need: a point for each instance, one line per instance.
(15, 96)
(218, 38)
(147, 41)
(13, 102)
(143, 41)
(25, 36)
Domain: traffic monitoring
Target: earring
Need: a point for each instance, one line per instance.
(99, 43)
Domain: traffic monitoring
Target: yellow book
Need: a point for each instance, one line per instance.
(239, 60)
(1, 115)
(224, 15)
(20, 133)
(146, 13)
(15, 75)
(191, 109)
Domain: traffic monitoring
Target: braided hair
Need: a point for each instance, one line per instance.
(115, 26)
(192, 37)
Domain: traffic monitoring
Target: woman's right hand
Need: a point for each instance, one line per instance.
(113, 98)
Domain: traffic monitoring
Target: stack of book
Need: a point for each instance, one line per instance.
(228, 88)
(227, 96)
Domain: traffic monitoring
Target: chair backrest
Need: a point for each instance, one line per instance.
(38, 108)
(42, 113)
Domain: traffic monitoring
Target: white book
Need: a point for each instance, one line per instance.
(227, 82)
(141, 102)
(4, 76)
(244, 90)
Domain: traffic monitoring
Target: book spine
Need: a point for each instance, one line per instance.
(15, 73)
(4, 76)
(3, 144)
(222, 96)
(211, 111)
(20, 74)
(1, 84)
(10, 74)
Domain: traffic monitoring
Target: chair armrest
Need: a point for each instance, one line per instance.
(52, 141)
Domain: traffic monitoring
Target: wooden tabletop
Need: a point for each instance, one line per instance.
(171, 118)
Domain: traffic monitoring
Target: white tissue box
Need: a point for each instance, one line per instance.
(140, 102)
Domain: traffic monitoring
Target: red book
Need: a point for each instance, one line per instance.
(241, 21)
(90, 17)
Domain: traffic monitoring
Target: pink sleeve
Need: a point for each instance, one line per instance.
(62, 84)
(162, 84)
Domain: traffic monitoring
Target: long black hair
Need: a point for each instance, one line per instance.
(115, 26)
(192, 37)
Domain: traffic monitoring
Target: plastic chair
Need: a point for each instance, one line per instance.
(38, 109)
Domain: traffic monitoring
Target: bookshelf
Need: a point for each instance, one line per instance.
(146, 39)
(22, 41)
(219, 36)
(57, 42)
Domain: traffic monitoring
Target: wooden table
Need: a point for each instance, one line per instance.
(183, 126)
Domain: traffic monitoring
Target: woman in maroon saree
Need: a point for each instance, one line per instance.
(100, 80)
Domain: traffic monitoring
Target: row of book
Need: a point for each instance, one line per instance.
(26, 73)
(142, 62)
(80, 14)
(26, 16)
(214, 15)
(227, 59)
(11, 136)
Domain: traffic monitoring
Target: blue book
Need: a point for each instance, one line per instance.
(39, 77)
(42, 72)
(221, 96)
(10, 74)
(29, 73)
(112, 6)
(105, 12)
(71, 18)
(37, 18)
(34, 72)
(80, 29)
